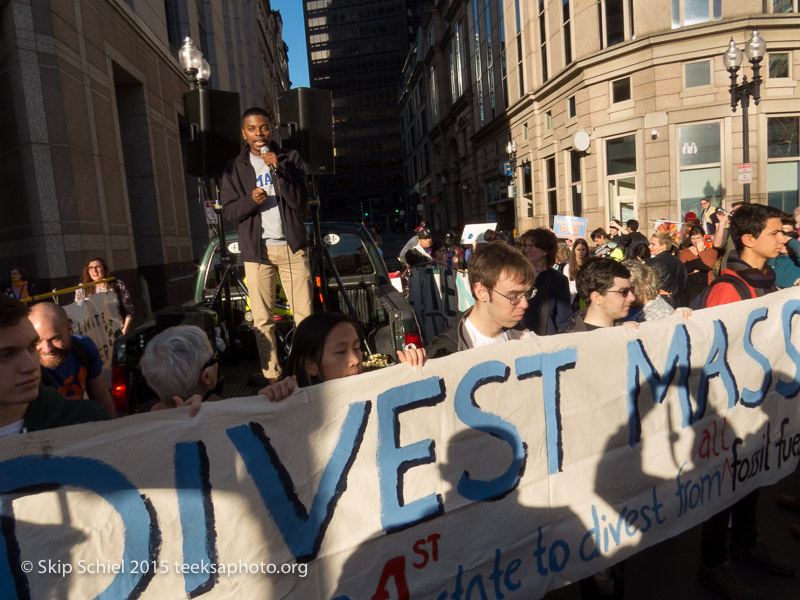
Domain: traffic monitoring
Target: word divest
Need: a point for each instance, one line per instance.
(500, 472)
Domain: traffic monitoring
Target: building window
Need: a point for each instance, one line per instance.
(783, 166)
(615, 18)
(434, 96)
(697, 74)
(567, 30)
(779, 65)
(552, 189)
(699, 160)
(782, 6)
(520, 72)
(575, 182)
(621, 177)
(543, 39)
(548, 120)
(478, 66)
(527, 179)
(571, 111)
(621, 90)
(690, 12)
(490, 57)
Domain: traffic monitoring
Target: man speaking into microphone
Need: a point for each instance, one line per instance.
(264, 191)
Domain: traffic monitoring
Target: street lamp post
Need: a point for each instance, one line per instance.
(742, 92)
(511, 151)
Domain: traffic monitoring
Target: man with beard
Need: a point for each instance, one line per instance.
(70, 363)
(25, 404)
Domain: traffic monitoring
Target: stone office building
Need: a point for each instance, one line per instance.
(617, 108)
(92, 123)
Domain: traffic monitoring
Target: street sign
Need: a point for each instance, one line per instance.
(505, 169)
(746, 173)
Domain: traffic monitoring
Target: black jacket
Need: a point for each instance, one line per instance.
(239, 181)
(551, 308)
(51, 409)
(455, 340)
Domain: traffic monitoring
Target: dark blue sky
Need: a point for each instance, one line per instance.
(294, 34)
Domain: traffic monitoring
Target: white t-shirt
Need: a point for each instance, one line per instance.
(12, 429)
(477, 339)
(271, 226)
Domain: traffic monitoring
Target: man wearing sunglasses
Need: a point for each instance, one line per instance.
(605, 285)
(177, 364)
(501, 279)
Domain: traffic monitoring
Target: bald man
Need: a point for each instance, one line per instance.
(70, 363)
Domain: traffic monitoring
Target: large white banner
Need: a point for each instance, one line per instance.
(507, 470)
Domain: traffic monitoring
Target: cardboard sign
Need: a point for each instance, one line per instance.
(438, 296)
(474, 232)
(567, 226)
(516, 467)
(97, 316)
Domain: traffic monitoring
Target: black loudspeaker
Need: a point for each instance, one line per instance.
(307, 126)
(219, 131)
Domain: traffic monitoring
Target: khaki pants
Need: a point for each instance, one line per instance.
(296, 279)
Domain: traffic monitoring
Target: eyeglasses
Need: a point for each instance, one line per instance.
(623, 291)
(97, 268)
(518, 298)
(211, 361)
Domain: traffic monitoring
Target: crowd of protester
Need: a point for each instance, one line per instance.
(534, 285)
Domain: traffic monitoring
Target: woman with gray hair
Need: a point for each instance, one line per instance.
(650, 303)
(179, 363)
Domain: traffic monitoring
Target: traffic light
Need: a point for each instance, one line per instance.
(397, 210)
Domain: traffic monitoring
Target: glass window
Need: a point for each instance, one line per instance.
(690, 12)
(783, 167)
(782, 138)
(527, 179)
(699, 144)
(575, 183)
(698, 73)
(552, 192)
(621, 155)
(778, 65)
(571, 107)
(783, 183)
(567, 30)
(548, 120)
(783, 6)
(621, 90)
(699, 158)
(543, 39)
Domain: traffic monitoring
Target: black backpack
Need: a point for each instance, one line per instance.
(701, 300)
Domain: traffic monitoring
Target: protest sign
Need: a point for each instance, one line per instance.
(473, 232)
(97, 317)
(567, 226)
(438, 295)
(510, 469)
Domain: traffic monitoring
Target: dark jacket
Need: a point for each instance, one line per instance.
(671, 276)
(51, 409)
(239, 181)
(551, 309)
(455, 340)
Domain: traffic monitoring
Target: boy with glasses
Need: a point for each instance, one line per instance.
(605, 285)
(501, 279)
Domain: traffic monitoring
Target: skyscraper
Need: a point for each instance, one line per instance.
(356, 50)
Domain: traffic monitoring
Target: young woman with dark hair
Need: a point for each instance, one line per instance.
(326, 346)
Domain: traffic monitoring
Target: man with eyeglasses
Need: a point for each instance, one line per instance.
(605, 285)
(501, 279)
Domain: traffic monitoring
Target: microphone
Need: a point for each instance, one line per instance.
(263, 151)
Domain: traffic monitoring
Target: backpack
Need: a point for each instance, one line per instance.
(701, 300)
